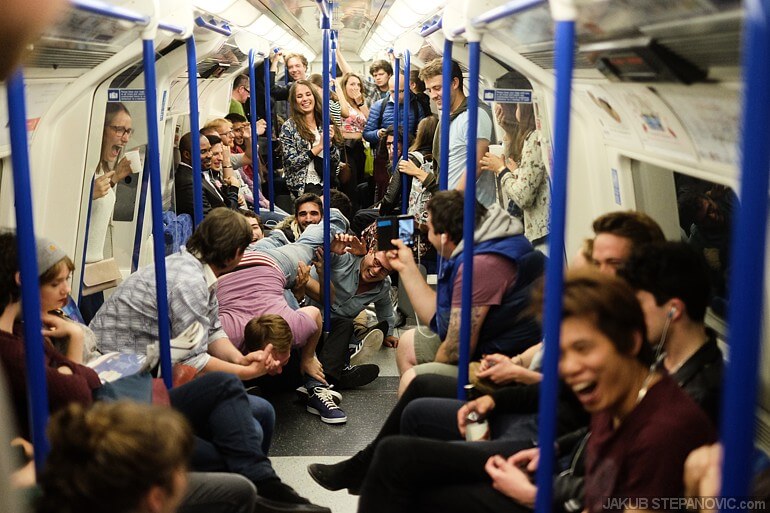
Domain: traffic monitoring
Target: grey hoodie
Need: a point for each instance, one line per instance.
(497, 223)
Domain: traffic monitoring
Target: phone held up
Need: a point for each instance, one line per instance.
(395, 227)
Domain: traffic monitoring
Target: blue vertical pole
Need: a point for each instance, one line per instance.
(269, 135)
(565, 34)
(396, 112)
(159, 245)
(37, 389)
(256, 187)
(446, 105)
(405, 143)
(333, 55)
(326, 26)
(748, 252)
(195, 140)
(469, 213)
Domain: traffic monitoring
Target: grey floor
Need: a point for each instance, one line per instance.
(301, 438)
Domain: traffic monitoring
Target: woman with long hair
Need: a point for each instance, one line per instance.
(111, 170)
(522, 175)
(302, 141)
(352, 97)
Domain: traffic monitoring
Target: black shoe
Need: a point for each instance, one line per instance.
(358, 376)
(278, 497)
(345, 474)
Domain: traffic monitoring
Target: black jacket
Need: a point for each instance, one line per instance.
(212, 198)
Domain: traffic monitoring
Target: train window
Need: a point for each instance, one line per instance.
(113, 181)
(702, 218)
(705, 217)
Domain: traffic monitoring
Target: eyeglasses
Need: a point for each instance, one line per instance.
(120, 131)
(248, 91)
(225, 133)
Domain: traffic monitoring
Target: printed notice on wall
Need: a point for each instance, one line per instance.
(654, 123)
(614, 120)
(711, 116)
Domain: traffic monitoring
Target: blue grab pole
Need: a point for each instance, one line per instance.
(333, 56)
(253, 113)
(326, 26)
(405, 143)
(446, 105)
(195, 140)
(37, 389)
(111, 11)
(269, 135)
(469, 215)
(396, 113)
(564, 41)
(156, 199)
(748, 253)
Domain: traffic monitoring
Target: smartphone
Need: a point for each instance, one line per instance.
(395, 227)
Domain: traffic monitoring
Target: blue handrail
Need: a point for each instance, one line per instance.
(324, 9)
(256, 186)
(326, 26)
(111, 11)
(37, 388)
(396, 113)
(469, 215)
(195, 140)
(269, 136)
(405, 140)
(564, 41)
(174, 29)
(446, 105)
(503, 11)
(211, 24)
(426, 31)
(156, 200)
(747, 258)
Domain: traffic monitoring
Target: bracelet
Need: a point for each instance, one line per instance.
(227, 167)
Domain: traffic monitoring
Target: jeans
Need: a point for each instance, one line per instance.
(436, 418)
(223, 419)
(287, 256)
(333, 352)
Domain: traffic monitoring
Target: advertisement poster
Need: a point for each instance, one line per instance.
(654, 123)
(711, 117)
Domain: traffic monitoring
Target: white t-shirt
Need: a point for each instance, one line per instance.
(312, 174)
(458, 143)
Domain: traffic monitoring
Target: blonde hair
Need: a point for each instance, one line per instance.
(216, 123)
(267, 329)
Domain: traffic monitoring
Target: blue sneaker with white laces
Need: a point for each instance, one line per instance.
(320, 401)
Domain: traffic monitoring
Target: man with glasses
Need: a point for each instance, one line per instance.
(240, 94)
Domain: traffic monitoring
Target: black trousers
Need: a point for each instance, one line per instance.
(411, 474)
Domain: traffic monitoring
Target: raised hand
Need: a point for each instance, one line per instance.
(102, 185)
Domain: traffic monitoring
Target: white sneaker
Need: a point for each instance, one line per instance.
(302, 392)
(368, 347)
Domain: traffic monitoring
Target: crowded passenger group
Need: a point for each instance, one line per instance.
(640, 373)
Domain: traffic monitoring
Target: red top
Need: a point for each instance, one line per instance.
(642, 461)
(62, 388)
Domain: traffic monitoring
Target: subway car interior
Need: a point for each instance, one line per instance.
(251, 219)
